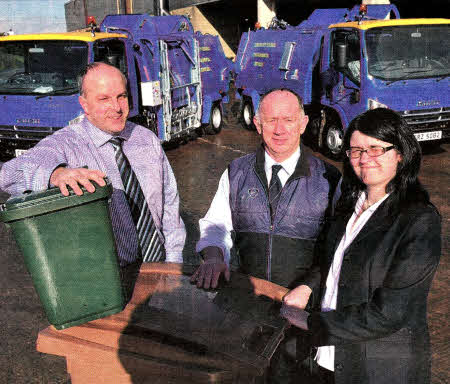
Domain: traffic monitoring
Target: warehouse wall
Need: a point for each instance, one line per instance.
(141, 6)
(75, 15)
(222, 19)
(77, 11)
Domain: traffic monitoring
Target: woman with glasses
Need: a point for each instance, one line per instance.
(368, 289)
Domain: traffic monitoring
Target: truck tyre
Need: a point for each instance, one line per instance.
(215, 120)
(247, 114)
(333, 138)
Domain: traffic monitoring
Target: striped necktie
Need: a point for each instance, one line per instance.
(149, 241)
(274, 190)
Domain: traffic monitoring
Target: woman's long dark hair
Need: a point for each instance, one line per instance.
(386, 125)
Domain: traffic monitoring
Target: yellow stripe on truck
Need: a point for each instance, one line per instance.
(368, 24)
(78, 36)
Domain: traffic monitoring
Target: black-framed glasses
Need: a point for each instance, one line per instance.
(372, 151)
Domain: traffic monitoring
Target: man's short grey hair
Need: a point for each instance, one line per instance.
(299, 99)
(91, 67)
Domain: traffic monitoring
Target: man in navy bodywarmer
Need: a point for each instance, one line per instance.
(270, 207)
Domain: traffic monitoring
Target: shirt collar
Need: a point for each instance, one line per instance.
(99, 137)
(288, 165)
(373, 207)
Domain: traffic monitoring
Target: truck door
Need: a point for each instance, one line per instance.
(343, 93)
(114, 52)
(180, 87)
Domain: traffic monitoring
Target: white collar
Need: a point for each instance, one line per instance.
(362, 198)
(288, 165)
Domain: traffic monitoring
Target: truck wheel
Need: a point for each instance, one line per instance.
(215, 121)
(333, 141)
(247, 115)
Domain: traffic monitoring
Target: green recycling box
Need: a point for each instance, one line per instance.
(69, 250)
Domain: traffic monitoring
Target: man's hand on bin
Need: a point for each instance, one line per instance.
(74, 177)
(208, 273)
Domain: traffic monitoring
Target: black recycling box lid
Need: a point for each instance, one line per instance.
(51, 200)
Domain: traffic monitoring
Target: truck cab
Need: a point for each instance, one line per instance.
(399, 64)
(38, 82)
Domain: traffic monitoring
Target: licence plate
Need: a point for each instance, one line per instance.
(20, 152)
(434, 135)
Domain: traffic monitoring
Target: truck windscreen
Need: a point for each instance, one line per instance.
(41, 67)
(409, 51)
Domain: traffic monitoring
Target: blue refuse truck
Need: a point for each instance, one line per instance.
(343, 62)
(177, 78)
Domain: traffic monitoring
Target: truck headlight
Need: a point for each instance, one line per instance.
(372, 104)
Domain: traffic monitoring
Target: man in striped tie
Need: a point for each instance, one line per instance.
(145, 203)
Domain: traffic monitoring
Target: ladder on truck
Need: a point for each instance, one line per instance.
(178, 121)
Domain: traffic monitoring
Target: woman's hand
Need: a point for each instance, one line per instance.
(298, 297)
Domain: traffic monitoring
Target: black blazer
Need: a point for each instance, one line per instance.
(379, 328)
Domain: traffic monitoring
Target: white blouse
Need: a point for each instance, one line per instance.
(325, 354)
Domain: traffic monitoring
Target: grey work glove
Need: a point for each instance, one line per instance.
(295, 316)
(208, 273)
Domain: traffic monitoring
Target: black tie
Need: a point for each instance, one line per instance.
(274, 190)
(149, 241)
